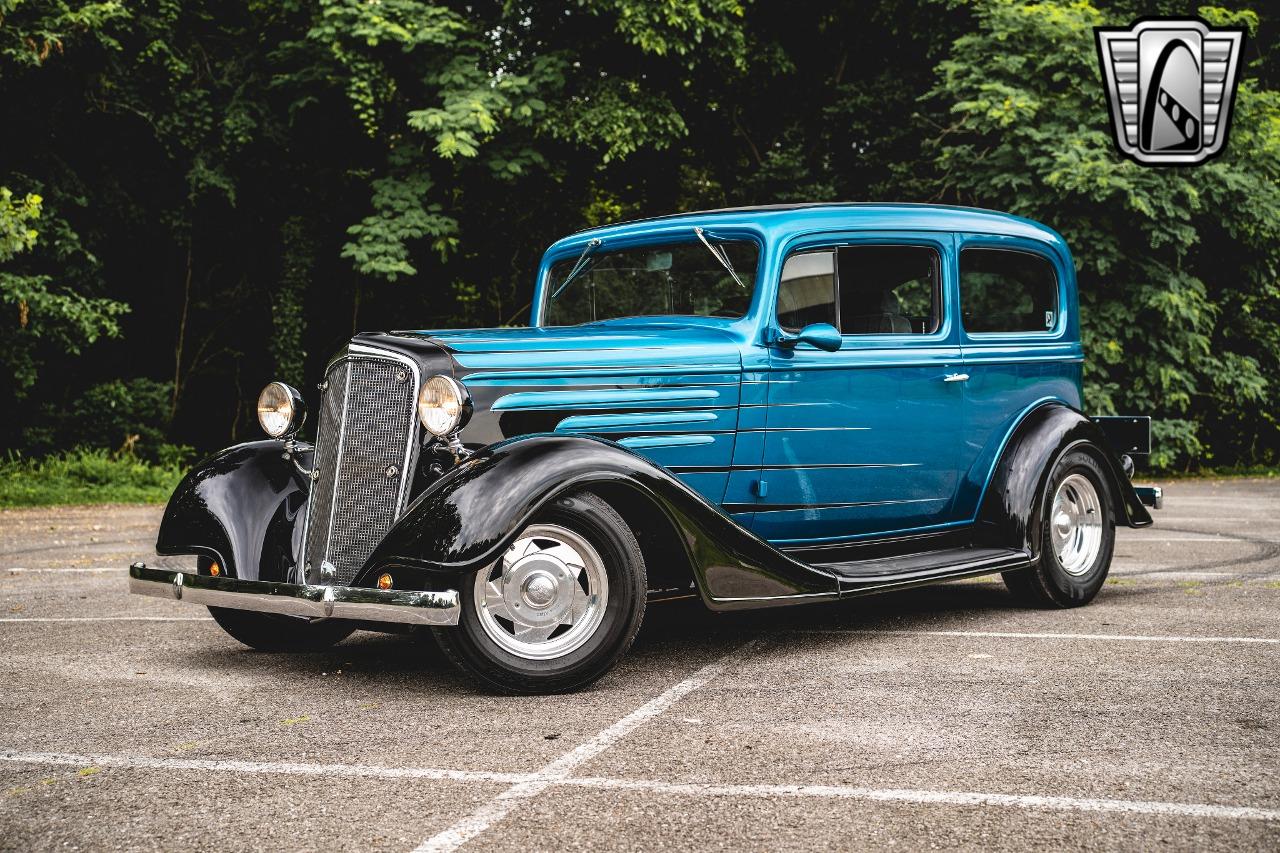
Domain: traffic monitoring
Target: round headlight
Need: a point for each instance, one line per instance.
(280, 410)
(443, 405)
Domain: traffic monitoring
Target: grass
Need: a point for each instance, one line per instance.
(84, 477)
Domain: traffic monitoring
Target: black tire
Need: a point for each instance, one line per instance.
(1047, 583)
(272, 632)
(470, 648)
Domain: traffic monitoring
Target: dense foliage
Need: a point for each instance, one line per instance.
(198, 196)
(86, 476)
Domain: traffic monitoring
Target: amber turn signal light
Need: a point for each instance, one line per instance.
(215, 569)
(384, 581)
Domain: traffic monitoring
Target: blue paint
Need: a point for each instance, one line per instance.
(602, 398)
(868, 440)
(632, 421)
(651, 441)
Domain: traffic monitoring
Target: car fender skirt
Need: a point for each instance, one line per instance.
(470, 516)
(242, 507)
(1019, 485)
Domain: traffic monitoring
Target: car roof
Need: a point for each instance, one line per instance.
(804, 216)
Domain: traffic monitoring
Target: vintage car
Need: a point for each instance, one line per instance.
(758, 407)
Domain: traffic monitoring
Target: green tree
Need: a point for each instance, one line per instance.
(44, 315)
(1176, 267)
(257, 180)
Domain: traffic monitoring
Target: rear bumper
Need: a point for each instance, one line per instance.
(1152, 496)
(317, 602)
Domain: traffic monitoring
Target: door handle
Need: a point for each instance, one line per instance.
(956, 377)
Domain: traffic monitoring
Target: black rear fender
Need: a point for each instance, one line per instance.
(1019, 485)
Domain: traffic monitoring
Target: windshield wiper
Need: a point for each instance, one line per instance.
(579, 265)
(720, 255)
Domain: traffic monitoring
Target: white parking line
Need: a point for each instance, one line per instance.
(282, 768)
(951, 798)
(495, 810)
(106, 619)
(1028, 635)
(1170, 574)
(1163, 518)
(72, 570)
(1224, 500)
(548, 779)
(1139, 539)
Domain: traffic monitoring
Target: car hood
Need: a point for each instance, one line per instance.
(527, 380)
(594, 337)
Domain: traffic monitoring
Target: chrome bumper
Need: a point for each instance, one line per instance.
(317, 602)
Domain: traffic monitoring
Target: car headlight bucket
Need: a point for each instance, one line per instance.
(281, 410)
(443, 405)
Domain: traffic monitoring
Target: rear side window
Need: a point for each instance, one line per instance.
(1007, 291)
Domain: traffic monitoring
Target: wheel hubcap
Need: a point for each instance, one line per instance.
(539, 590)
(546, 596)
(1076, 524)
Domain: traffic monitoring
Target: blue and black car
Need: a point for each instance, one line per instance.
(758, 407)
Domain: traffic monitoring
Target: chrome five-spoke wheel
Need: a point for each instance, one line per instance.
(559, 607)
(1075, 524)
(546, 596)
(1077, 536)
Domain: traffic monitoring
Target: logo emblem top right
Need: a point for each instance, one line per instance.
(1170, 85)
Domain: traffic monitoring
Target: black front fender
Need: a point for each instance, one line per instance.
(1019, 486)
(242, 507)
(469, 517)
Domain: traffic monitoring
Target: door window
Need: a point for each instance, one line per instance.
(889, 290)
(807, 292)
(1007, 291)
(863, 290)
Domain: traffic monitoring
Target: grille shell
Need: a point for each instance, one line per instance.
(367, 429)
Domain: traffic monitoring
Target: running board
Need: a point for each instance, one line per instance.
(863, 576)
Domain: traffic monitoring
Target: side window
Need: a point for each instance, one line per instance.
(807, 292)
(1007, 291)
(890, 290)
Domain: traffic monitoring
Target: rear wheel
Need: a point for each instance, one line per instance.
(560, 607)
(1077, 538)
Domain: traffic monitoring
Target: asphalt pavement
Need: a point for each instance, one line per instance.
(941, 718)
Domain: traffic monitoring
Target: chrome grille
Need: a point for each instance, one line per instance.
(320, 508)
(363, 459)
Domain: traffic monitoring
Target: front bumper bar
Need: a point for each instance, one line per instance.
(409, 607)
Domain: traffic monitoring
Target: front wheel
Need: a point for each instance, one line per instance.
(560, 607)
(1077, 538)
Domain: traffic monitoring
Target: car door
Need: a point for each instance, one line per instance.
(864, 440)
(1020, 341)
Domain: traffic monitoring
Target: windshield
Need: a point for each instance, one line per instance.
(675, 278)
